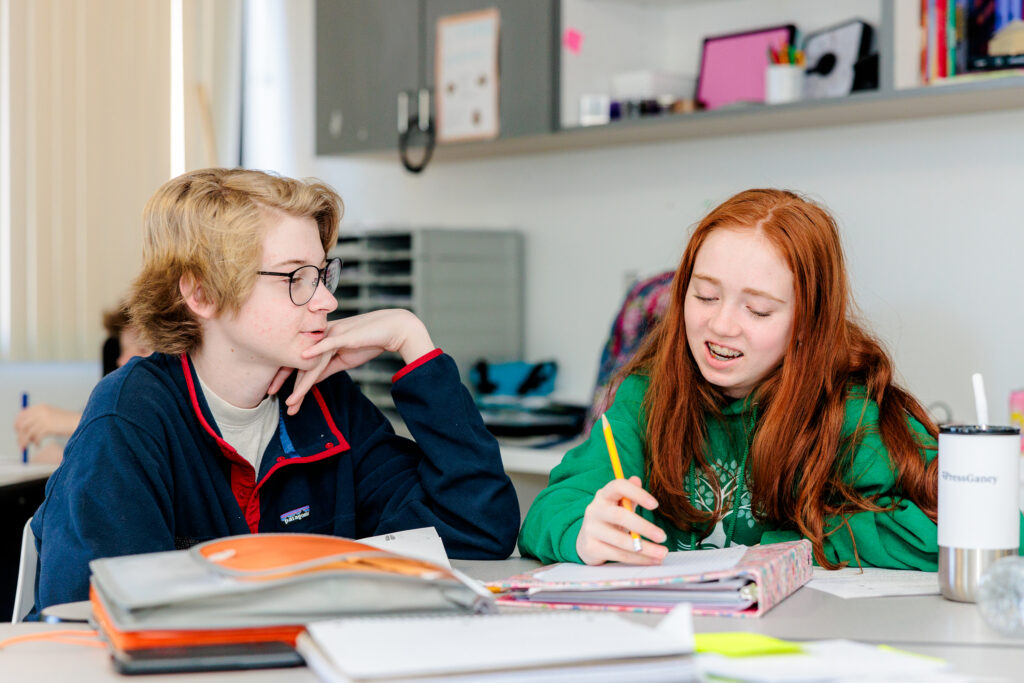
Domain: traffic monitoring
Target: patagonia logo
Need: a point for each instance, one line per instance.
(295, 515)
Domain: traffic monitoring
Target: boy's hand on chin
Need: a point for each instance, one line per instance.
(351, 342)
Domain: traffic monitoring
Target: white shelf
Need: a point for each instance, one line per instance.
(622, 34)
(954, 98)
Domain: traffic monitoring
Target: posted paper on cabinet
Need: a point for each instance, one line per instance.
(466, 76)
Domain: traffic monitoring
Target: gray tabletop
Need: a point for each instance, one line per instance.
(927, 625)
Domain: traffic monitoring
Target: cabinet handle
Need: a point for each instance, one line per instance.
(403, 112)
(424, 110)
(419, 124)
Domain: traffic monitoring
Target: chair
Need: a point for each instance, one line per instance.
(24, 595)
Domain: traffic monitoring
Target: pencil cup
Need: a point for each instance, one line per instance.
(979, 517)
(783, 83)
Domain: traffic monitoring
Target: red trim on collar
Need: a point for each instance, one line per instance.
(304, 459)
(243, 476)
(429, 356)
(225, 447)
(330, 420)
(332, 449)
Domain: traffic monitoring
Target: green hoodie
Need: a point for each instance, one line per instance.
(903, 538)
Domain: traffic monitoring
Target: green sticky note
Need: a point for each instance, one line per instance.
(740, 644)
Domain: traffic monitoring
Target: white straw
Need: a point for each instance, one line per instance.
(980, 402)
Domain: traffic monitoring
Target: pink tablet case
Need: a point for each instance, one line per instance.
(732, 66)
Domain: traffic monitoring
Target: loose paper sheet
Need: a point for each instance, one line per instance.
(423, 544)
(871, 582)
(680, 563)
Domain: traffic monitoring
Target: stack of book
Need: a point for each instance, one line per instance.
(965, 36)
(241, 601)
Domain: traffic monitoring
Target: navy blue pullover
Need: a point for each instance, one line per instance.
(147, 471)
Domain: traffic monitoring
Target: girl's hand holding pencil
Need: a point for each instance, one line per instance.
(611, 529)
(605, 534)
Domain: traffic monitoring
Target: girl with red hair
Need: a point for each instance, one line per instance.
(757, 411)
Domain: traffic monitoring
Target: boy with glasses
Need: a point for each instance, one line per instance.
(194, 443)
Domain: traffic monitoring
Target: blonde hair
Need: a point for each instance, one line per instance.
(207, 226)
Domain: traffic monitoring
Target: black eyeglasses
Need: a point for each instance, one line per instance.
(303, 280)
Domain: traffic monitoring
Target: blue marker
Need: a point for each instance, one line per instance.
(24, 404)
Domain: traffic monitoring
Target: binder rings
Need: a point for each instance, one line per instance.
(764, 576)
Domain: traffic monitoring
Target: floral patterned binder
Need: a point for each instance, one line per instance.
(772, 573)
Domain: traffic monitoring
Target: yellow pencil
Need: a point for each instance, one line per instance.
(613, 453)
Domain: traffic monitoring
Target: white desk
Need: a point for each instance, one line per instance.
(49, 661)
(926, 625)
(14, 472)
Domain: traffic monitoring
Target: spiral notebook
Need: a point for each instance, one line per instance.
(507, 647)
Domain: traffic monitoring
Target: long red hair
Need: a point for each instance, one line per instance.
(798, 457)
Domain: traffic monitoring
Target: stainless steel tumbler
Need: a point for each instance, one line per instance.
(979, 514)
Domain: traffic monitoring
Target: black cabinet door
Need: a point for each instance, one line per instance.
(527, 59)
(367, 51)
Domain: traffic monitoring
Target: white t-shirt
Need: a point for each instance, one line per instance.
(248, 430)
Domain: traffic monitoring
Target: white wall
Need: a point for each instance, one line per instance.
(930, 212)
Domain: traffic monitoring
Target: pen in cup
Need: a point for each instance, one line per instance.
(613, 453)
(24, 404)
